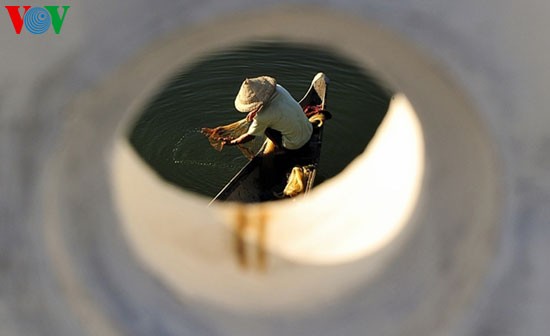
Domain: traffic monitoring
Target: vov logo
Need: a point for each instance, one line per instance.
(37, 20)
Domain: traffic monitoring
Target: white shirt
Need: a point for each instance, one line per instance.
(285, 115)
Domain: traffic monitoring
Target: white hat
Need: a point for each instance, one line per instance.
(254, 93)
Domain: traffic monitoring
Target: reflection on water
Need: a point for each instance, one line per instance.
(167, 135)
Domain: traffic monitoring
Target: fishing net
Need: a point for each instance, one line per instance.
(219, 135)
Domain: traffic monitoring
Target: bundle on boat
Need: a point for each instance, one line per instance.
(297, 181)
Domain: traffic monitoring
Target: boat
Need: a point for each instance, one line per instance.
(264, 177)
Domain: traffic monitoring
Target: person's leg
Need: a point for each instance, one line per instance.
(270, 147)
(275, 136)
(274, 144)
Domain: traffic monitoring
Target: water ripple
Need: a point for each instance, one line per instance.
(168, 134)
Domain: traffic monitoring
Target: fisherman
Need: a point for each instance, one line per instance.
(272, 111)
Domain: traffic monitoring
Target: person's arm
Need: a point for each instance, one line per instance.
(256, 129)
(242, 139)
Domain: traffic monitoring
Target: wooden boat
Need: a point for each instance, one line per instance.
(259, 180)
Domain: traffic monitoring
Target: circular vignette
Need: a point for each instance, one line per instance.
(435, 276)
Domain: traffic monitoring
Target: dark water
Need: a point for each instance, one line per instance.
(167, 135)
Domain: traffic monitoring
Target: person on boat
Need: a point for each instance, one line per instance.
(274, 112)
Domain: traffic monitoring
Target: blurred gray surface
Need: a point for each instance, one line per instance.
(496, 51)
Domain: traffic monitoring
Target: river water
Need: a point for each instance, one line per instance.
(167, 134)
